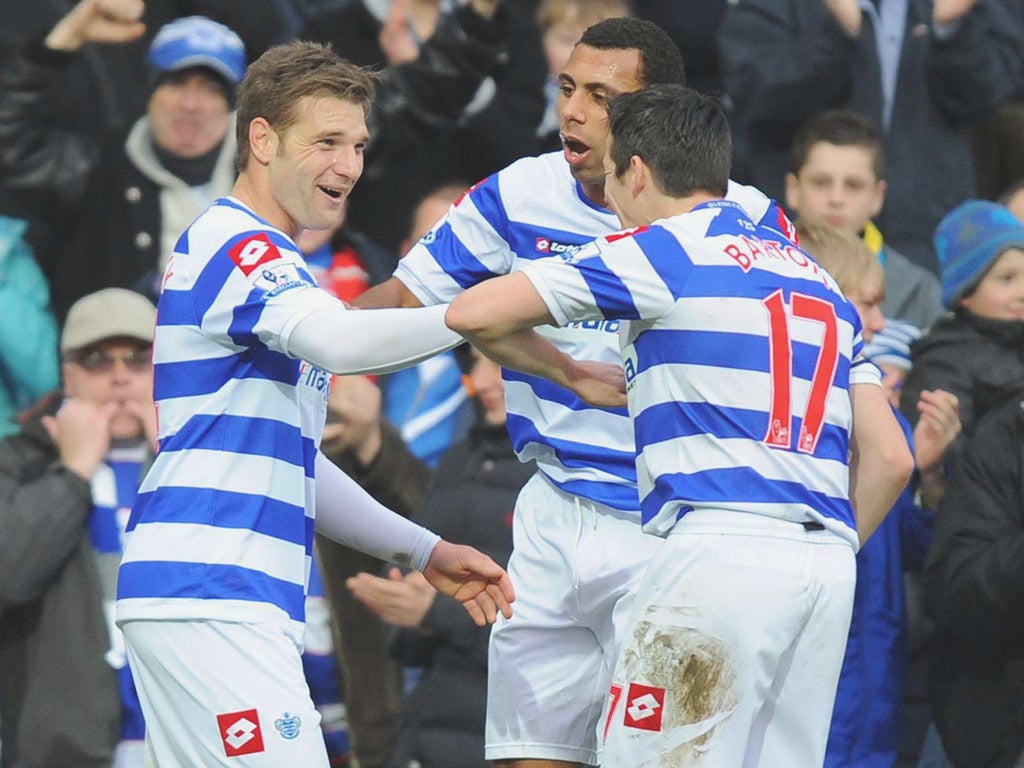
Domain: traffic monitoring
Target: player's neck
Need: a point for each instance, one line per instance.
(252, 191)
(595, 193)
(661, 206)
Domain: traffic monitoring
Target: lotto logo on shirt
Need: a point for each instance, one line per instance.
(544, 245)
(240, 732)
(252, 252)
(644, 707)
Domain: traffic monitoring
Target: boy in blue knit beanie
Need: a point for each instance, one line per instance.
(976, 243)
(976, 351)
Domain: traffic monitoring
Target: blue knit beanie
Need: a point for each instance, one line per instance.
(967, 242)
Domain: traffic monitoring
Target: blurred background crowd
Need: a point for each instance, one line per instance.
(893, 130)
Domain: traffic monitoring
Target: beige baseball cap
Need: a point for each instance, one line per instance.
(108, 314)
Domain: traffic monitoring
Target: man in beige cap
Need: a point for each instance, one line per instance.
(67, 482)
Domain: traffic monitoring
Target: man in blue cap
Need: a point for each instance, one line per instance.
(118, 203)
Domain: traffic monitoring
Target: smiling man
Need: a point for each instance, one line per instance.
(211, 589)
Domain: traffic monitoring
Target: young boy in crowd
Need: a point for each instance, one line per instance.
(978, 350)
(866, 716)
(837, 178)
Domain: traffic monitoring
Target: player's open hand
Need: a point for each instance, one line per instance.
(472, 578)
(600, 384)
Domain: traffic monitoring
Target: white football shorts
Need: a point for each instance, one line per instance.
(575, 566)
(733, 653)
(217, 693)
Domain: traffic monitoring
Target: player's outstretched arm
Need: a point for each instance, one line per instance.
(880, 459)
(348, 514)
(472, 578)
(346, 341)
(498, 316)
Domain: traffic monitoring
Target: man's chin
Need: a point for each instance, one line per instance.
(126, 429)
(587, 176)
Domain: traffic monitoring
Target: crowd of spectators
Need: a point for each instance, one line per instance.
(894, 131)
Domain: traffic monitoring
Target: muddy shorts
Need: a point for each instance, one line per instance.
(733, 653)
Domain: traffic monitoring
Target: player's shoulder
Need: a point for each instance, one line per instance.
(761, 209)
(534, 178)
(551, 166)
(629, 239)
(229, 227)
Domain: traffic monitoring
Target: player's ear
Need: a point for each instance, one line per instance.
(262, 140)
(641, 174)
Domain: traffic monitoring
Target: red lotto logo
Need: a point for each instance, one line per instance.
(240, 732)
(251, 252)
(644, 707)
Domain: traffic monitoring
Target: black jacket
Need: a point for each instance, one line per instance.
(975, 358)
(974, 589)
(60, 706)
(470, 502)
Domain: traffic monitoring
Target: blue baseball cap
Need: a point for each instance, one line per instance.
(196, 41)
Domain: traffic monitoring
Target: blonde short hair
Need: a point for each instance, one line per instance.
(840, 253)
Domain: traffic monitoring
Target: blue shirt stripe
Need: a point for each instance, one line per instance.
(247, 435)
(457, 260)
(188, 378)
(613, 297)
(719, 487)
(208, 581)
(574, 454)
(225, 509)
(737, 351)
(665, 421)
(546, 390)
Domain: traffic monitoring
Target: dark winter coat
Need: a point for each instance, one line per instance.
(974, 589)
(975, 358)
(60, 706)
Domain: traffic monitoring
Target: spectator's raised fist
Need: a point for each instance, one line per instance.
(98, 21)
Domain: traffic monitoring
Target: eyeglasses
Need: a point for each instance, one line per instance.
(98, 361)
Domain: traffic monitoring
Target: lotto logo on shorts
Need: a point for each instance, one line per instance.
(644, 707)
(240, 732)
(252, 252)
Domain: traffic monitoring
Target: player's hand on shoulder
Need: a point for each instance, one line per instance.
(600, 384)
(471, 577)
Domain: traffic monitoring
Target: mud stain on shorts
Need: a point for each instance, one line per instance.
(698, 673)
